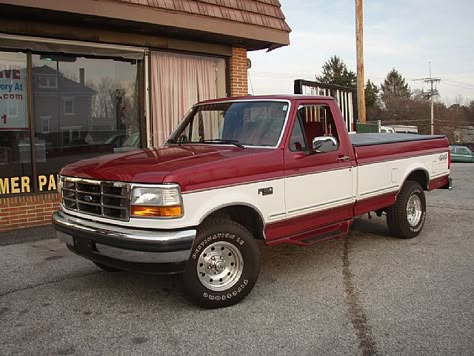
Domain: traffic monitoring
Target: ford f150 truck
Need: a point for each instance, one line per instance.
(282, 169)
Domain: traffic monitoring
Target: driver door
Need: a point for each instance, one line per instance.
(318, 185)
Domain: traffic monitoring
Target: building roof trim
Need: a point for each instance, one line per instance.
(184, 17)
(255, 12)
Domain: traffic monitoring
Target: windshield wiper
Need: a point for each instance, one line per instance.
(218, 140)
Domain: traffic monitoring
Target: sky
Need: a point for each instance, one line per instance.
(408, 35)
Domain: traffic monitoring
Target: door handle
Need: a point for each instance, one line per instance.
(265, 191)
(343, 158)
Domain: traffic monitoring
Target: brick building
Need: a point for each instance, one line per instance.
(90, 77)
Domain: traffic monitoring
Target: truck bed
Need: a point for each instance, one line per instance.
(370, 139)
(376, 147)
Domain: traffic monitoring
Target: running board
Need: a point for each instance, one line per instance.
(311, 237)
(325, 236)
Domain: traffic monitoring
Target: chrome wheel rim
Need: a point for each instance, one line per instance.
(220, 266)
(414, 211)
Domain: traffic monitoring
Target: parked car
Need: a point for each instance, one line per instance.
(461, 154)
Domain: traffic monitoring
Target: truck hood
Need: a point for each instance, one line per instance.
(186, 164)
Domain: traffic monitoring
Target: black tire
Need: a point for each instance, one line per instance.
(106, 268)
(400, 221)
(223, 266)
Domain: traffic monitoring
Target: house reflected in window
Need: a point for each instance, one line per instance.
(82, 107)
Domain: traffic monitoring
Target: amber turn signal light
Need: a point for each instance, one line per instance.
(157, 211)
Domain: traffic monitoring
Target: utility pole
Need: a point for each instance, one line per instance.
(433, 82)
(360, 60)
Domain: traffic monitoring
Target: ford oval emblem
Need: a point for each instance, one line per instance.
(87, 198)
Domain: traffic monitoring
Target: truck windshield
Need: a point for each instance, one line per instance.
(249, 123)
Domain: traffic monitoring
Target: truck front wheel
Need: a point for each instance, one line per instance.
(407, 216)
(223, 266)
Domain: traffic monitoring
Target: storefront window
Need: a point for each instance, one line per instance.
(15, 151)
(82, 107)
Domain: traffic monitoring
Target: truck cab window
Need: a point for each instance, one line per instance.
(316, 121)
(253, 123)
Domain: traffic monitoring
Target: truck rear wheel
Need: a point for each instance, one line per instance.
(223, 266)
(405, 219)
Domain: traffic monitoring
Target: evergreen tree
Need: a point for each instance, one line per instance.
(395, 86)
(371, 94)
(335, 71)
(400, 108)
(372, 106)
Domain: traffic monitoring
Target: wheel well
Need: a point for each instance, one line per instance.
(243, 215)
(419, 176)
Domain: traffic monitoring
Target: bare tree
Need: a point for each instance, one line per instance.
(104, 102)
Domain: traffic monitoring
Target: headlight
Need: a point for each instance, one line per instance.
(156, 202)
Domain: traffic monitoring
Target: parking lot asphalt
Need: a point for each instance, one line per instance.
(367, 293)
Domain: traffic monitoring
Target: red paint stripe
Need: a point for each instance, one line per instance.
(401, 149)
(368, 161)
(387, 152)
(315, 235)
(371, 204)
(300, 226)
(438, 183)
(269, 166)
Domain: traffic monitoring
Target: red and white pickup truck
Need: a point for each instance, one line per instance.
(282, 169)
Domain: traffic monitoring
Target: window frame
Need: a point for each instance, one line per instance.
(315, 114)
(34, 128)
(66, 100)
(191, 120)
(45, 118)
(50, 84)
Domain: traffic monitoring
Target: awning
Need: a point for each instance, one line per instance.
(250, 24)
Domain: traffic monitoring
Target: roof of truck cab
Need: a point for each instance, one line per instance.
(268, 97)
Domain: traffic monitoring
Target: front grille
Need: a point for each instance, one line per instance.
(95, 197)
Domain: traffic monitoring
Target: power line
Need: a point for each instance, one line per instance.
(458, 84)
(405, 121)
(283, 74)
(461, 122)
(455, 126)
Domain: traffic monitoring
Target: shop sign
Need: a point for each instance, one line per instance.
(24, 184)
(13, 95)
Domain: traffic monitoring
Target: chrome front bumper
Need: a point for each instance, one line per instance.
(121, 247)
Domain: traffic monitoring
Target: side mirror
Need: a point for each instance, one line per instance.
(323, 144)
